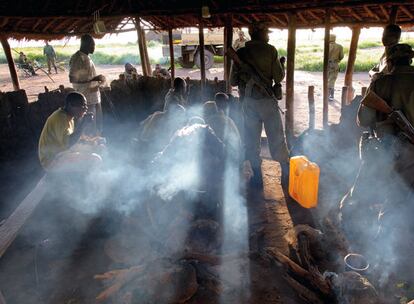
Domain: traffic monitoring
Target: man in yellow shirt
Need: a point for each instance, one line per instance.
(59, 135)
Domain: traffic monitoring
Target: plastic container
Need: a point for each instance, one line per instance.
(304, 181)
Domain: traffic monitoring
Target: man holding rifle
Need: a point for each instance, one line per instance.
(388, 109)
(257, 71)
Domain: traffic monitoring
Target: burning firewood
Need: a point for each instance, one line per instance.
(162, 281)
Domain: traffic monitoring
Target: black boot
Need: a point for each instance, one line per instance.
(331, 94)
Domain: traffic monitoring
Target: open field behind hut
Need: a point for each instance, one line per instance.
(309, 53)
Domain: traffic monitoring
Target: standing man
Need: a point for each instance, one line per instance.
(50, 54)
(83, 76)
(390, 37)
(258, 107)
(336, 54)
(240, 42)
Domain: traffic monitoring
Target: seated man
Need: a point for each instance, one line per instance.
(178, 94)
(157, 130)
(223, 126)
(130, 72)
(232, 108)
(160, 72)
(26, 64)
(57, 149)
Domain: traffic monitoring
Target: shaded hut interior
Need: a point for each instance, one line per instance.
(54, 239)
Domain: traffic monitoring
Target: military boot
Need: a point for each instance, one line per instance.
(331, 94)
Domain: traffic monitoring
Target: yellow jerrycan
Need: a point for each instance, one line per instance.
(304, 181)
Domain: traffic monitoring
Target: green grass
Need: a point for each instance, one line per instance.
(309, 57)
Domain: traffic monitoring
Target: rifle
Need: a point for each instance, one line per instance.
(373, 101)
(256, 75)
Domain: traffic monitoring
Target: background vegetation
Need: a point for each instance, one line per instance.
(309, 57)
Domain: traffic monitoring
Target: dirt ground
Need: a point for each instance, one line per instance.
(35, 85)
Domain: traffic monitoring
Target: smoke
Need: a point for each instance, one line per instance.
(368, 196)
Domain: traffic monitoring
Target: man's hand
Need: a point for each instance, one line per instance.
(100, 78)
(87, 118)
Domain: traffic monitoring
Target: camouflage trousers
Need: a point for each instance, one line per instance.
(333, 70)
(259, 113)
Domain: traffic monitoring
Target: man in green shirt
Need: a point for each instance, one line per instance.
(258, 107)
(50, 54)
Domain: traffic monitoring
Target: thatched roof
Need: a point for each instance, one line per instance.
(41, 19)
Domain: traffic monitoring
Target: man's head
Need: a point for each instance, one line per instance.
(332, 37)
(180, 86)
(222, 101)
(87, 44)
(75, 105)
(391, 35)
(158, 67)
(259, 31)
(209, 108)
(400, 55)
(241, 34)
(129, 68)
(46, 42)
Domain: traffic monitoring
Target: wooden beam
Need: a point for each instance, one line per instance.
(384, 11)
(13, 224)
(10, 62)
(145, 68)
(325, 67)
(371, 13)
(228, 41)
(311, 103)
(406, 11)
(393, 14)
(144, 43)
(202, 58)
(351, 58)
(172, 61)
(355, 15)
(290, 76)
(314, 16)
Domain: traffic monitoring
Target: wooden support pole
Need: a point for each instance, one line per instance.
(351, 61)
(141, 48)
(228, 40)
(290, 76)
(363, 91)
(172, 62)
(10, 62)
(325, 68)
(344, 97)
(202, 58)
(393, 14)
(311, 103)
(143, 53)
(147, 60)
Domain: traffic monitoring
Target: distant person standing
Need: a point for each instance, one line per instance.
(336, 54)
(240, 42)
(390, 37)
(82, 75)
(160, 72)
(50, 54)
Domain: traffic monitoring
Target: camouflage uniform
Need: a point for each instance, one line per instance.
(336, 54)
(258, 107)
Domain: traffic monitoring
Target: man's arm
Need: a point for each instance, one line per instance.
(278, 72)
(74, 137)
(366, 117)
(341, 53)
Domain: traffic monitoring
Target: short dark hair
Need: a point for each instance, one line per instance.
(393, 29)
(75, 99)
(86, 38)
(221, 100)
(179, 83)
